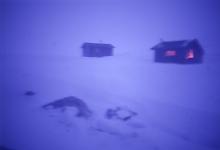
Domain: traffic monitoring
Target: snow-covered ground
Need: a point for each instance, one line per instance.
(177, 106)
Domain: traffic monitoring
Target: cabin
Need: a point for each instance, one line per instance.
(97, 49)
(184, 52)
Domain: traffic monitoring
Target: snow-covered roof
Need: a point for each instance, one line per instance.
(86, 44)
(173, 44)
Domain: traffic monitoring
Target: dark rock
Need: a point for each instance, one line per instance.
(29, 93)
(71, 101)
(120, 113)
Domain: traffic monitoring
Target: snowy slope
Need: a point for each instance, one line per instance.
(177, 105)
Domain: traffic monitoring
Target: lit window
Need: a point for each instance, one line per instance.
(190, 54)
(170, 53)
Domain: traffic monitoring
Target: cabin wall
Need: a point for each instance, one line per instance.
(161, 57)
(179, 58)
(108, 52)
(86, 52)
(198, 51)
(198, 54)
(97, 52)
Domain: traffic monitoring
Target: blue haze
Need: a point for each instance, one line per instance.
(177, 105)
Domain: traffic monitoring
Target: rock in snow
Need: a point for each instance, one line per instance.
(72, 106)
(64, 103)
(29, 93)
(120, 113)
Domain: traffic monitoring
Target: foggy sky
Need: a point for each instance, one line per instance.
(133, 27)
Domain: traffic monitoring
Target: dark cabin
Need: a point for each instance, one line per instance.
(97, 49)
(184, 51)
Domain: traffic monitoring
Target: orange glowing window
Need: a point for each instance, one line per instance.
(190, 54)
(170, 53)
